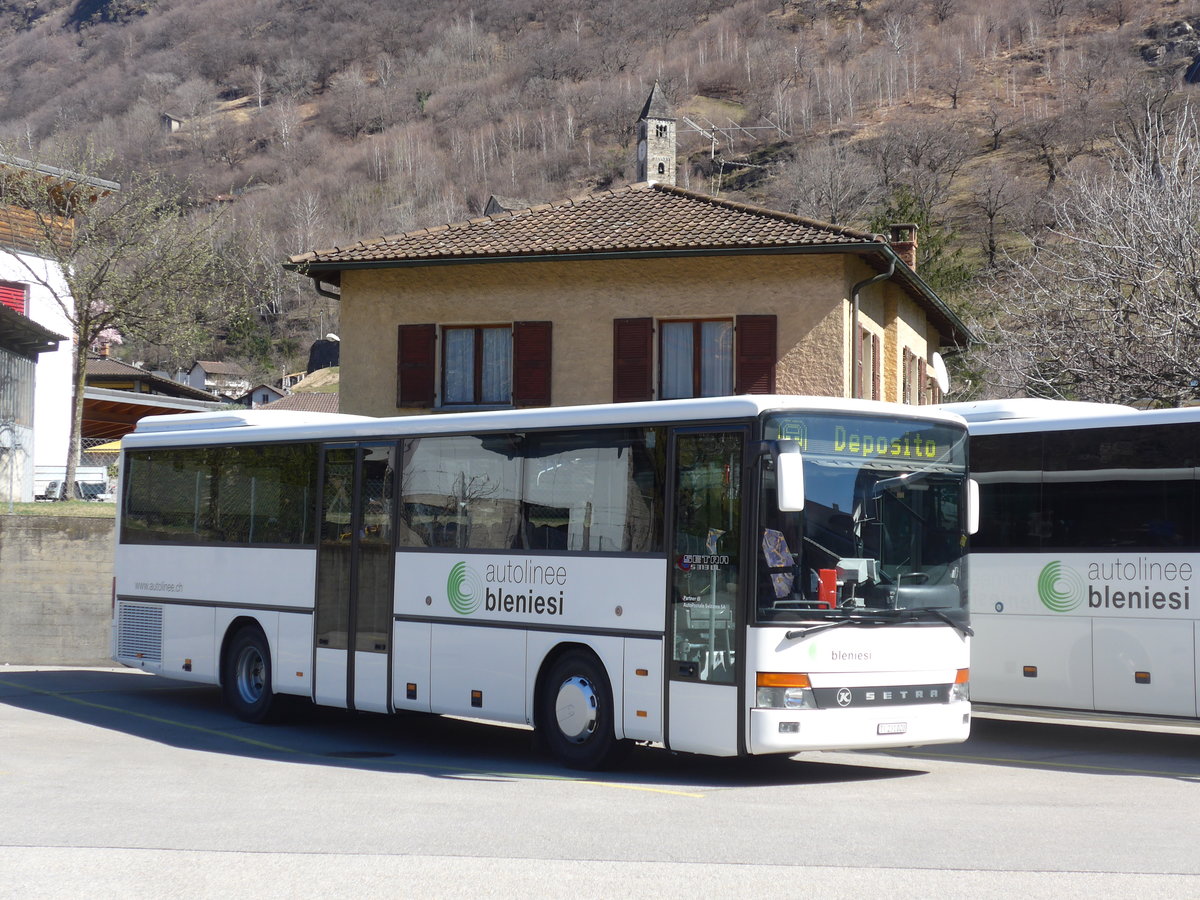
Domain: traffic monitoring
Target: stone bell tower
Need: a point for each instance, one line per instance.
(656, 140)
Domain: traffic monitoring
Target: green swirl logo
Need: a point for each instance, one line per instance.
(464, 589)
(1060, 587)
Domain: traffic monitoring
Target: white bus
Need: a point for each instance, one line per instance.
(1084, 590)
(608, 574)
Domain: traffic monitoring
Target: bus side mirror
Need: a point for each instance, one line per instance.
(789, 481)
(972, 506)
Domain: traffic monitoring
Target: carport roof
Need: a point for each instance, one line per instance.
(25, 337)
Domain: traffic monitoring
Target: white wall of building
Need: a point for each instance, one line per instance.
(52, 378)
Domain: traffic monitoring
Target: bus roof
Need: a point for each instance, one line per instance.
(1030, 408)
(251, 426)
(1026, 415)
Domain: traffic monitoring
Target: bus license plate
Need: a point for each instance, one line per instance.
(892, 728)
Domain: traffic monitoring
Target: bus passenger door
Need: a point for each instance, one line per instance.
(355, 562)
(704, 615)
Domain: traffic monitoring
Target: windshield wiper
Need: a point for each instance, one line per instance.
(885, 617)
(825, 626)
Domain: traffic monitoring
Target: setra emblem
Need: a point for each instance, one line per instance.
(844, 697)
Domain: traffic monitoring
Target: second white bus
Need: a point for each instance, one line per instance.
(1085, 573)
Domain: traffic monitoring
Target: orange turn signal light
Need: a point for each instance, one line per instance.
(963, 676)
(783, 680)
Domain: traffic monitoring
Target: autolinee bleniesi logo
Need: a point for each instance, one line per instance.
(524, 586)
(1060, 587)
(464, 589)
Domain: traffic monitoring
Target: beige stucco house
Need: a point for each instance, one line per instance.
(644, 292)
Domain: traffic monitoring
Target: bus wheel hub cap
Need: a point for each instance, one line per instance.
(575, 709)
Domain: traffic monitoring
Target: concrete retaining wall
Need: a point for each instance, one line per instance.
(55, 590)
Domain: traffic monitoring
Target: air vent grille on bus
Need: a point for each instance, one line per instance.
(139, 632)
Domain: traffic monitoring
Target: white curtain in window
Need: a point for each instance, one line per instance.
(676, 360)
(716, 359)
(497, 365)
(460, 365)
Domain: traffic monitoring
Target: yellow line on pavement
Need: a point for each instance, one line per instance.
(308, 753)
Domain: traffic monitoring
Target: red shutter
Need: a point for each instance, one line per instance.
(754, 368)
(633, 360)
(531, 363)
(416, 366)
(876, 369)
(13, 296)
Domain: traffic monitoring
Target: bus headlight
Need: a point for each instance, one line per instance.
(961, 689)
(784, 690)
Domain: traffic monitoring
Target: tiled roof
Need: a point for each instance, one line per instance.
(637, 218)
(307, 401)
(102, 368)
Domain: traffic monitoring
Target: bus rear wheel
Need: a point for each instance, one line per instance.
(575, 713)
(246, 676)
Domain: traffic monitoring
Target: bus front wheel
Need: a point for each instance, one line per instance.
(575, 713)
(246, 679)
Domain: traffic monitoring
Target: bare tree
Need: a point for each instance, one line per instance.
(943, 9)
(1106, 306)
(833, 182)
(129, 258)
(952, 76)
(998, 118)
(923, 155)
(993, 194)
(1055, 139)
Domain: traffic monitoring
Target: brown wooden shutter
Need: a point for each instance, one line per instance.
(754, 367)
(13, 296)
(857, 375)
(876, 369)
(531, 363)
(633, 360)
(923, 393)
(416, 366)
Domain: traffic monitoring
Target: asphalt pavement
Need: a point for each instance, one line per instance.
(114, 782)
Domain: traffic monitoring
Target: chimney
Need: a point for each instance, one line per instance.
(904, 242)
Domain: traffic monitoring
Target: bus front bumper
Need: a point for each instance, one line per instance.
(796, 730)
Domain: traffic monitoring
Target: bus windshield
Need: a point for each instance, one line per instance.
(883, 527)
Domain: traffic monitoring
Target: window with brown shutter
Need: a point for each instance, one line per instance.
(876, 369)
(531, 363)
(477, 366)
(755, 337)
(416, 366)
(633, 360)
(480, 365)
(864, 359)
(695, 358)
(870, 365)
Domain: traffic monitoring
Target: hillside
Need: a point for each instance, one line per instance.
(319, 123)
